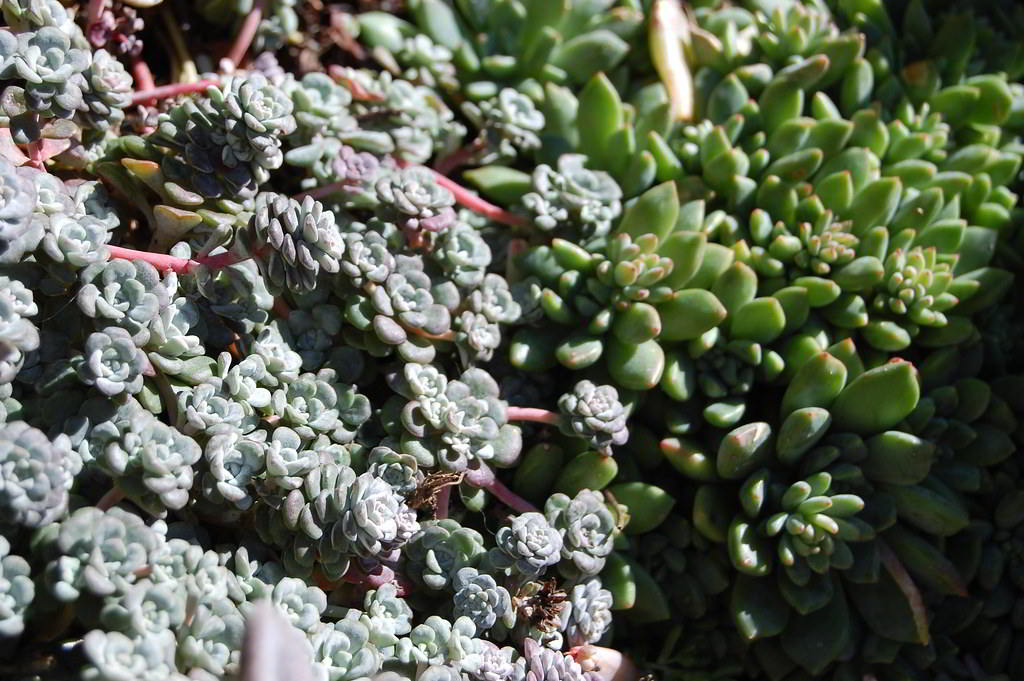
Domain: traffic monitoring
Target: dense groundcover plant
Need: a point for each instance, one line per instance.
(511, 340)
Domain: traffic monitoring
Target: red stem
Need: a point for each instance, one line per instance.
(337, 72)
(444, 496)
(96, 8)
(459, 157)
(246, 33)
(172, 90)
(281, 308)
(165, 263)
(468, 199)
(170, 263)
(110, 499)
(325, 190)
(533, 414)
(516, 247)
(508, 497)
(143, 76)
(225, 259)
(448, 336)
(35, 154)
(384, 575)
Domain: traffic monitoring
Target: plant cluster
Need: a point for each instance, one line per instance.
(713, 373)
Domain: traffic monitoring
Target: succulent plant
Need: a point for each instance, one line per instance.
(488, 661)
(591, 614)
(37, 473)
(414, 200)
(118, 30)
(255, 114)
(407, 295)
(376, 519)
(125, 293)
(544, 663)
(195, 131)
(98, 551)
(151, 460)
(478, 597)
(108, 91)
(18, 335)
(112, 362)
(17, 591)
(529, 543)
(147, 608)
(18, 233)
(287, 461)
(573, 195)
(113, 654)
(440, 549)
(233, 461)
(209, 410)
(594, 412)
(318, 403)
(51, 68)
(386, 615)
(76, 241)
(26, 14)
(463, 255)
(366, 258)
(401, 471)
(587, 527)
(293, 241)
(811, 540)
(510, 123)
(344, 649)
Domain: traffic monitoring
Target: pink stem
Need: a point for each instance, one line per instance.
(326, 190)
(110, 499)
(281, 308)
(358, 91)
(172, 90)
(95, 11)
(533, 414)
(458, 158)
(144, 81)
(384, 575)
(225, 259)
(444, 496)
(906, 584)
(448, 335)
(508, 497)
(468, 199)
(143, 76)
(246, 33)
(516, 247)
(170, 263)
(165, 263)
(35, 154)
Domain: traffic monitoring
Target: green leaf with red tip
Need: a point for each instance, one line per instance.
(878, 399)
(689, 314)
(816, 384)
